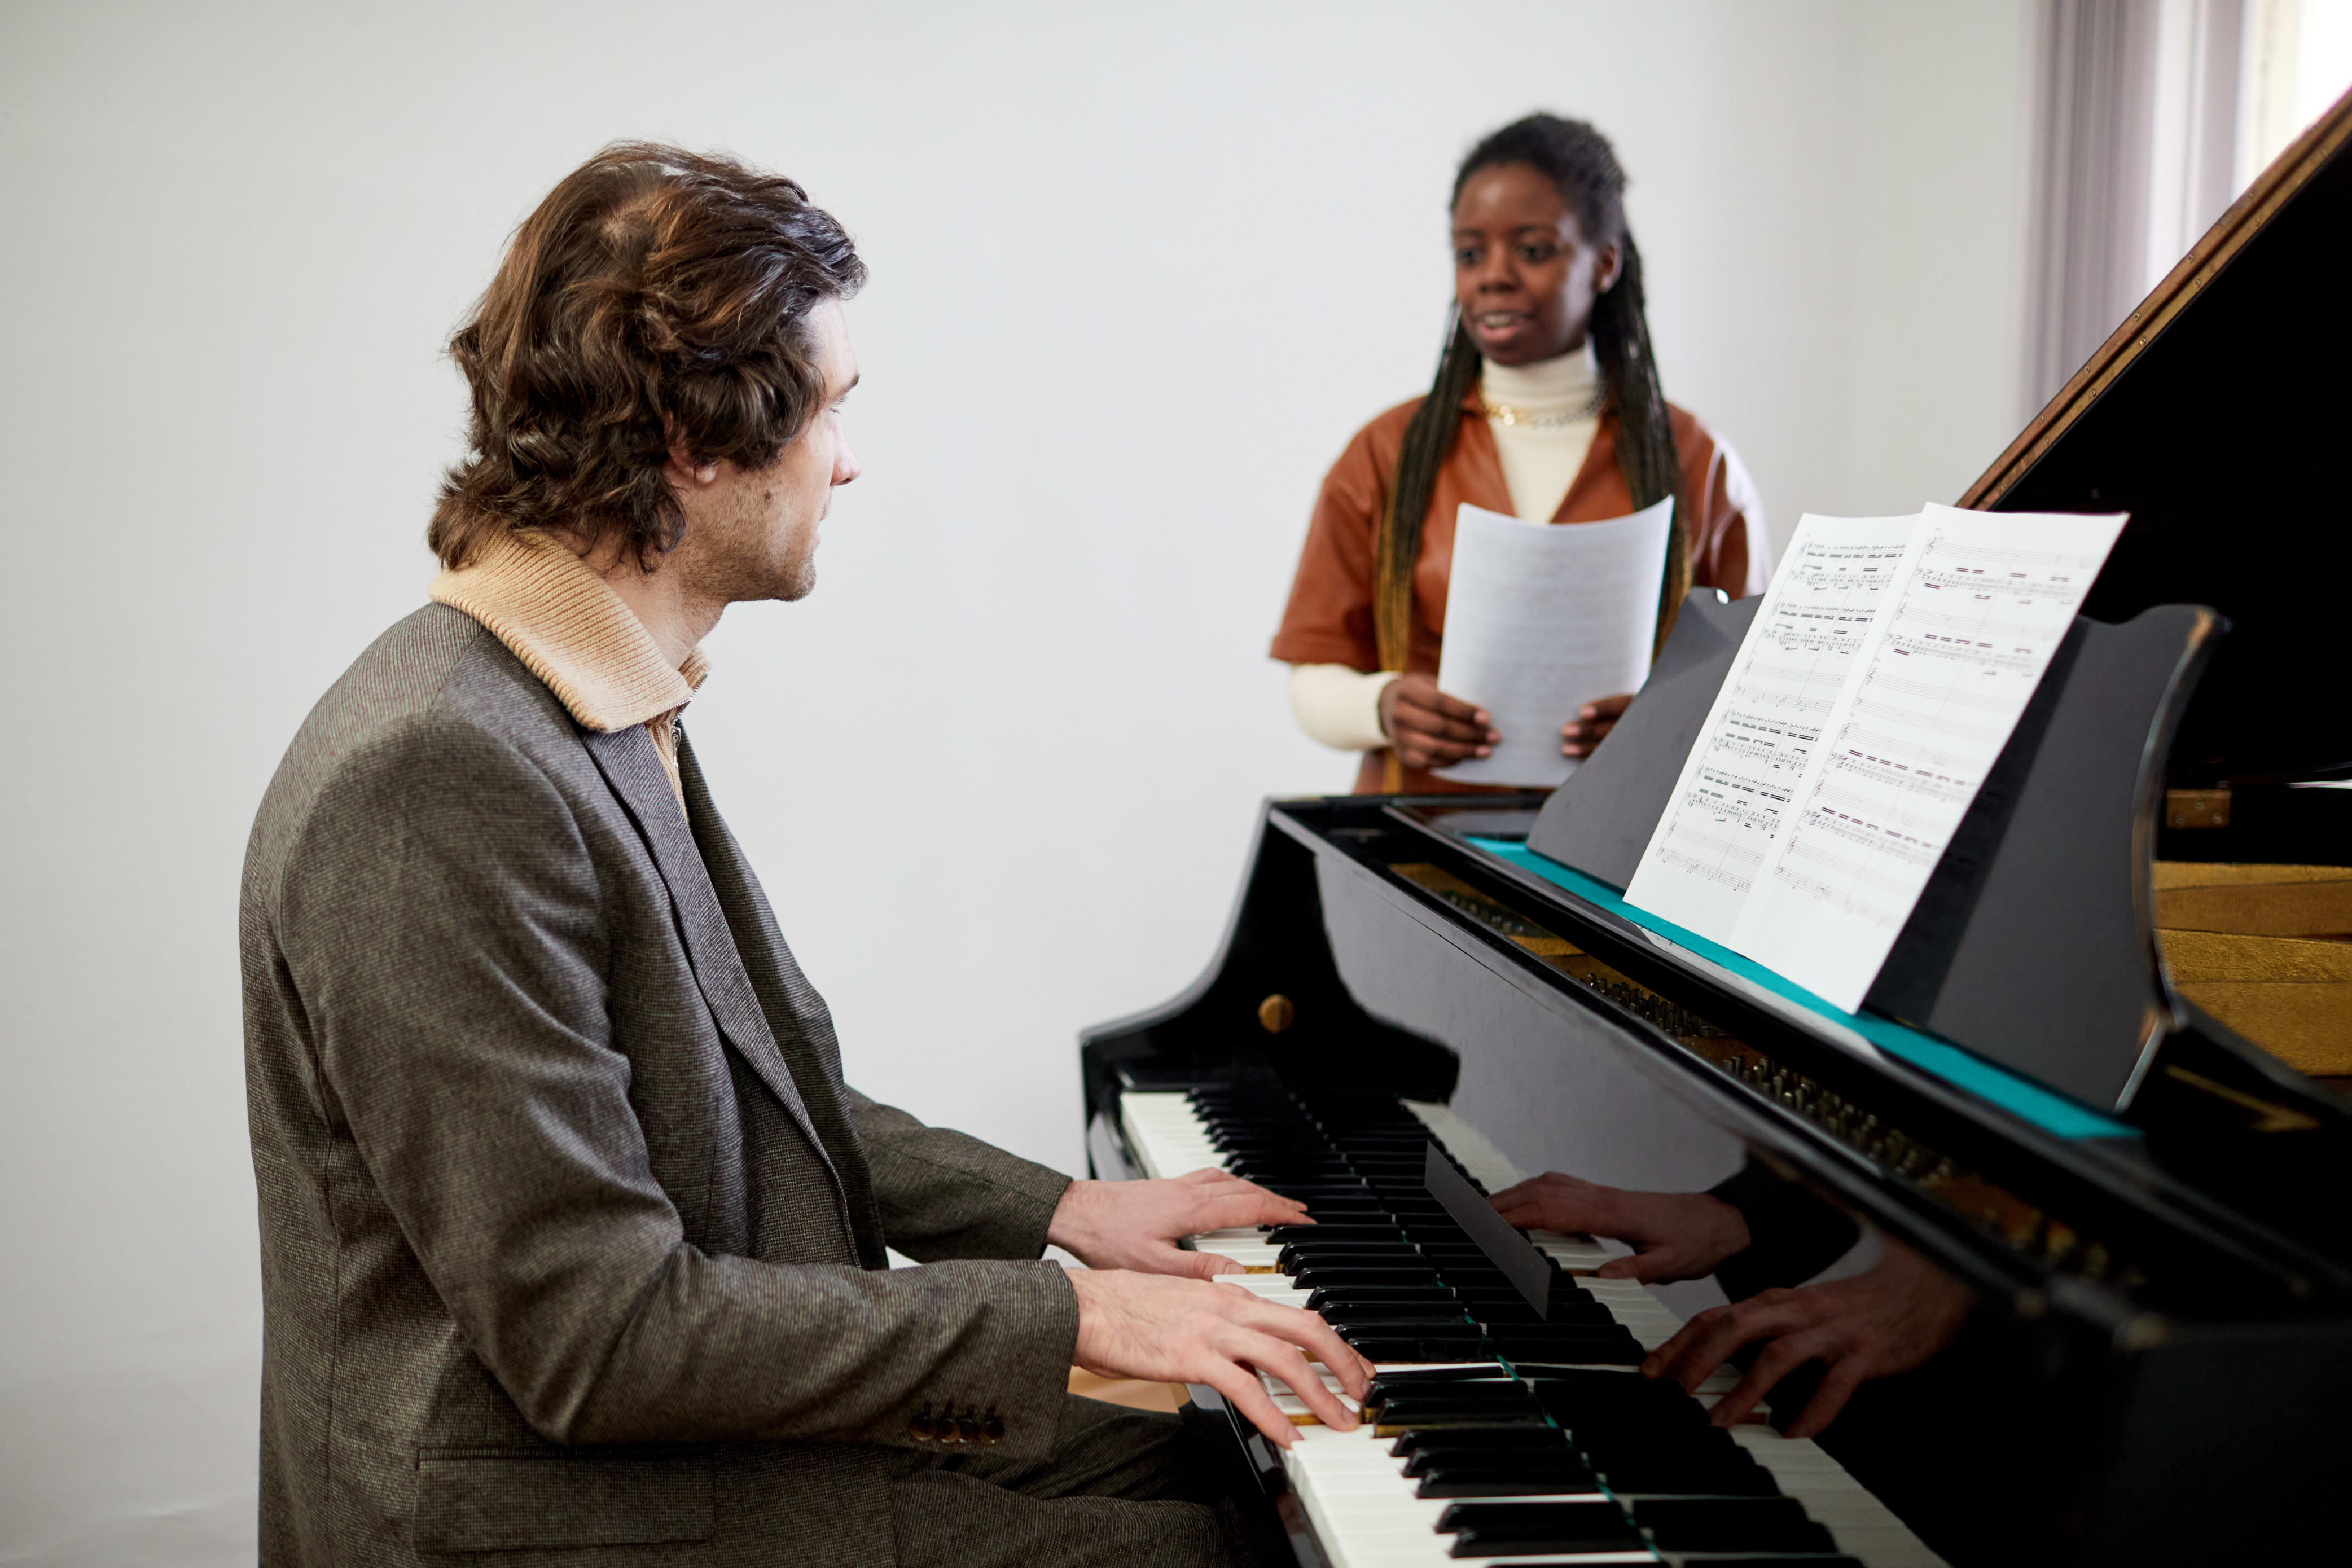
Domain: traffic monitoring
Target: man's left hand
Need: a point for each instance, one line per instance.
(1136, 1224)
(1593, 723)
(1889, 1319)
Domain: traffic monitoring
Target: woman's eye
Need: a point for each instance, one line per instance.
(1466, 256)
(1532, 253)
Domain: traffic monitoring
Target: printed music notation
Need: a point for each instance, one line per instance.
(1979, 604)
(1733, 798)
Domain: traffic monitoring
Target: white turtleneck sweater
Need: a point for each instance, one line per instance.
(1340, 706)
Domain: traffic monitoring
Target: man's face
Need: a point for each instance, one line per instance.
(755, 536)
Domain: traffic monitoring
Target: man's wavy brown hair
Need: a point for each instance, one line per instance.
(655, 294)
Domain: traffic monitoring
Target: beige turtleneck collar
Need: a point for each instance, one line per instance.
(1565, 382)
(571, 630)
(1540, 459)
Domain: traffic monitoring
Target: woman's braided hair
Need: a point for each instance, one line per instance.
(1579, 161)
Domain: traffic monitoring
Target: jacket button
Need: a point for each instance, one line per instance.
(968, 1429)
(993, 1429)
(922, 1428)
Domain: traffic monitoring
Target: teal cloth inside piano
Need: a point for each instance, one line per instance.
(2020, 1097)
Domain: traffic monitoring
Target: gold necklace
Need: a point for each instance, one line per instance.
(1547, 419)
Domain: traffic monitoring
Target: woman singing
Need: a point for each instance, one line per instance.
(1545, 406)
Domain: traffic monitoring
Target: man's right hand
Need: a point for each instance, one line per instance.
(1430, 729)
(1675, 1235)
(1173, 1329)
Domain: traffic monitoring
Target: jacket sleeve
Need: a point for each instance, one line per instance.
(1329, 618)
(445, 928)
(944, 1194)
(1732, 549)
(1792, 1234)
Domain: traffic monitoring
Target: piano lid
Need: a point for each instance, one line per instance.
(2215, 415)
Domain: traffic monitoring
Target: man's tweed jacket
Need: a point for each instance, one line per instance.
(572, 1233)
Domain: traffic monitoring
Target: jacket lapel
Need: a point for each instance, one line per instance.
(801, 1022)
(628, 760)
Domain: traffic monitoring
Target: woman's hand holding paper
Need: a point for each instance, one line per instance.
(1593, 723)
(1430, 729)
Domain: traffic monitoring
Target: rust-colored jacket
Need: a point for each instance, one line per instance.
(1330, 617)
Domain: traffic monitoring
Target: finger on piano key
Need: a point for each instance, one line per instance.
(1294, 1407)
(1268, 1288)
(1248, 1254)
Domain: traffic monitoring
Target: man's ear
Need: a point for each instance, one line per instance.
(681, 469)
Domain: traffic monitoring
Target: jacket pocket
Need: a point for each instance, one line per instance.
(470, 1500)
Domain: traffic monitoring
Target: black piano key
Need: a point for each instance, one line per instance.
(1446, 1337)
(1495, 1421)
(1527, 1529)
(1595, 1353)
(1364, 1295)
(1453, 1401)
(1406, 1323)
(1540, 1446)
(1563, 1314)
(1373, 1254)
(1242, 1154)
(1454, 1483)
(1426, 1376)
(1406, 1351)
(1325, 1262)
(1702, 1480)
(1478, 1273)
(1731, 1524)
(1396, 1423)
(1806, 1561)
(1283, 1235)
(1666, 1461)
(1407, 1310)
(1321, 1276)
(1532, 1339)
(1615, 1400)
(1472, 1435)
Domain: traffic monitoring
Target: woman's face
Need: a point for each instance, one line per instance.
(1523, 274)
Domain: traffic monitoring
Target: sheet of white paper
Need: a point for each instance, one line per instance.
(1541, 618)
(1743, 770)
(1982, 601)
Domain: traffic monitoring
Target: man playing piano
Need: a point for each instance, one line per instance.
(572, 1236)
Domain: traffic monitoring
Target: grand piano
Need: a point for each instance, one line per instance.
(2150, 1213)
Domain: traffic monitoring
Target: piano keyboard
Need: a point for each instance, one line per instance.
(1496, 1437)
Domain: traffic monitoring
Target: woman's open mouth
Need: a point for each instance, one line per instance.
(1499, 323)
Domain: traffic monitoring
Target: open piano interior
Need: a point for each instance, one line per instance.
(2146, 1207)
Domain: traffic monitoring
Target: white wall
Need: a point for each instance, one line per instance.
(1136, 278)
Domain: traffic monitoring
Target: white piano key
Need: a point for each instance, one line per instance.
(1356, 1493)
(1254, 1252)
(1862, 1526)
(1487, 1164)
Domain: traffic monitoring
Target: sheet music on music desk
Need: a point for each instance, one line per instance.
(1541, 618)
(1743, 770)
(1982, 601)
